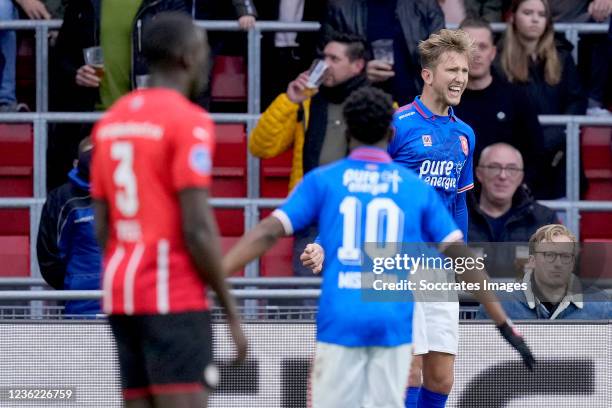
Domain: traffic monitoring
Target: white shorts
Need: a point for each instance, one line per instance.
(435, 327)
(364, 377)
(435, 324)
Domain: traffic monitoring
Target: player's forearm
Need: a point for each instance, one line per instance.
(478, 277)
(253, 245)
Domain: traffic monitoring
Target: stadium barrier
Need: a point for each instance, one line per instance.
(252, 204)
(574, 365)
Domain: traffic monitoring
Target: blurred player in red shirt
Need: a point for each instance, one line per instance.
(151, 172)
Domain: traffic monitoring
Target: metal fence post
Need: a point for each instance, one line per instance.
(254, 91)
(573, 129)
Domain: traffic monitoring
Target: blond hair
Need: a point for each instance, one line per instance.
(443, 41)
(547, 233)
(515, 59)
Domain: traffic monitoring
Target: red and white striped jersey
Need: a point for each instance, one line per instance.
(148, 147)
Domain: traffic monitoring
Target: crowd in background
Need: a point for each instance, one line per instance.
(526, 71)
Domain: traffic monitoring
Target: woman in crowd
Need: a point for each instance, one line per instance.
(531, 57)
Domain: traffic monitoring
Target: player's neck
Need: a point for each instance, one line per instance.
(354, 144)
(478, 84)
(493, 209)
(175, 81)
(436, 105)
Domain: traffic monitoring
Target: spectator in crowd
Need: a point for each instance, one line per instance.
(314, 126)
(548, 74)
(223, 42)
(116, 26)
(553, 291)
(502, 209)
(593, 49)
(490, 10)
(68, 254)
(210, 9)
(35, 10)
(405, 23)
(497, 110)
(294, 51)
(581, 10)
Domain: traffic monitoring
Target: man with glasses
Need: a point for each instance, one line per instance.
(553, 291)
(502, 208)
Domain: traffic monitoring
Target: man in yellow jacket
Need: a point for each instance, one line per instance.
(313, 124)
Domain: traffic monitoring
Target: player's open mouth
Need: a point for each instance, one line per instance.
(455, 90)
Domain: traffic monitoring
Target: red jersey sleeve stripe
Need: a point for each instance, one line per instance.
(466, 188)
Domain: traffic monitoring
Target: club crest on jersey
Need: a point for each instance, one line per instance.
(199, 159)
(465, 147)
(426, 140)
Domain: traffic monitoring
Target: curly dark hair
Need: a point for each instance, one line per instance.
(368, 112)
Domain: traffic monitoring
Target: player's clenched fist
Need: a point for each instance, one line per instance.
(313, 257)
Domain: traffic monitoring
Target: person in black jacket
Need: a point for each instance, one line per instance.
(548, 74)
(74, 86)
(497, 110)
(405, 22)
(503, 209)
(68, 255)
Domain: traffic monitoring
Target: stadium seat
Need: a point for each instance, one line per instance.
(14, 242)
(597, 151)
(596, 145)
(277, 262)
(229, 170)
(230, 221)
(595, 260)
(274, 175)
(14, 221)
(229, 79)
(16, 163)
(14, 255)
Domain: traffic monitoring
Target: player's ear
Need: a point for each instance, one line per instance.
(427, 75)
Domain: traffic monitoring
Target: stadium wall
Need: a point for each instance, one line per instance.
(574, 365)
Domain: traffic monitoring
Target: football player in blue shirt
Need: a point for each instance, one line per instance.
(363, 347)
(438, 147)
(431, 141)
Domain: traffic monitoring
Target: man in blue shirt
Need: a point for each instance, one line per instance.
(553, 290)
(363, 346)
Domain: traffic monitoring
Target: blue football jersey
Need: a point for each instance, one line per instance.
(363, 198)
(439, 149)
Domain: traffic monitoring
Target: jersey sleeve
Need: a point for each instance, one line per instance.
(393, 146)
(438, 225)
(97, 185)
(302, 206)
(193, 151)
(466, 179)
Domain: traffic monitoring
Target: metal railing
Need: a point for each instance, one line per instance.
(252, 203)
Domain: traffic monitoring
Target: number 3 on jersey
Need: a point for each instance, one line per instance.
(124, 178)
(384, 223)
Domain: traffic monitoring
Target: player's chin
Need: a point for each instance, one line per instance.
(453, 100)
